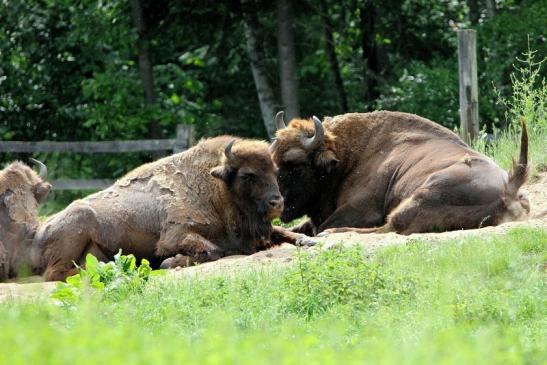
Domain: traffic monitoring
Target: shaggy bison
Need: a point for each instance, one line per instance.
(217, 198)
(21, 190)
(389, 171)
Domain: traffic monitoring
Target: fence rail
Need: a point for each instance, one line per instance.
(89, 147)
(185, 139)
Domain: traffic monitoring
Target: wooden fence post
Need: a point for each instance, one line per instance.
(469, 91)
(185, 137)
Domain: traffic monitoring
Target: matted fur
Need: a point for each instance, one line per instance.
(194, 206)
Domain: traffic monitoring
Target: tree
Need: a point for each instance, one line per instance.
(145, 63)
(330, 50)
(287, 59)
(371, 67)
(474, 12)
(262, 84)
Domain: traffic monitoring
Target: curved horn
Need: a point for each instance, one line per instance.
(279, 121)
(228, 151)
(43, 168)
(315, 141)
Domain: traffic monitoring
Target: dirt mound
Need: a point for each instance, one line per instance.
(537, 193)
(284, 254)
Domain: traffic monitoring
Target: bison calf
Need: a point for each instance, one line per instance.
(389, 171)
(21, 190)
(217, 198)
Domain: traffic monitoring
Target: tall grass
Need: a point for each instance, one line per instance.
(529, 103)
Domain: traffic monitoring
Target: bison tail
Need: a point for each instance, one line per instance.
(519, 172)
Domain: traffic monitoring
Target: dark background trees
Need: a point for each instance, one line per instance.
(129, 69)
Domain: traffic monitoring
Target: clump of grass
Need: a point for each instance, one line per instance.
(528, 103)
(340, 277)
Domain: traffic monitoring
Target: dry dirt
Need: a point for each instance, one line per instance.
(284, 254)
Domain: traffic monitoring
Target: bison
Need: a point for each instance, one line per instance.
(217, 198)
(21, 190)
(390, 171)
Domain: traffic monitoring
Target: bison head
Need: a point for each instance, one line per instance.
(250, 175)
(21, 190)
(306, 156)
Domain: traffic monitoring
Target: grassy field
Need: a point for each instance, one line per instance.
(481, 300)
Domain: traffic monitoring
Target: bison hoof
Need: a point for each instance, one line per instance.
(306, 241)
(211, 255)
(176, 261)
(325, 233)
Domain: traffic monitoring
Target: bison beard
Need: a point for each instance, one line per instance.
(389, 171)
(215, 199)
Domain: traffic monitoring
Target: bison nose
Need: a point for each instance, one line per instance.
(276, 202)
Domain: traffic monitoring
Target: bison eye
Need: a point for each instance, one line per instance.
(247, 176)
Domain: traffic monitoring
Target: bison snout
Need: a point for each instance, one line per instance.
(276, 203)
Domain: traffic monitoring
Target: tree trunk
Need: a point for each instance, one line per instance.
(145, 64)
(263, 88)
(287, 59)
(474, 13)
(370, 51)
(333, 59)
(490, 8)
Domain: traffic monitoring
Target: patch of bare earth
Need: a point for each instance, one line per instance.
(284, 254)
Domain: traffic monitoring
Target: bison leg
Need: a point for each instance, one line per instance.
(382, 229)
(307, 227)
(193, 245)
(353, 214)
(280, 235)
(63, 241)
(424, 212)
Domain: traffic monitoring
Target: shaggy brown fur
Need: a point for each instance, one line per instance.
(21, 190)
(212, 200)
(390, 171)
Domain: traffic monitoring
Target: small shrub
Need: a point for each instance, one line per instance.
(340, 276)
(112, 279)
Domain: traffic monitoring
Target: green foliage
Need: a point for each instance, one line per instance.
(340, 276)
(473, 300)
(528, 102)
(428, 90)
(113, 280)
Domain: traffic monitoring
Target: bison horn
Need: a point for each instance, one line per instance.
(228, 151)
(279, 121)
(43, 168)
(315, 141)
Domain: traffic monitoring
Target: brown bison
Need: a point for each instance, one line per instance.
(388, 171)
(217, 198)
(21, 190)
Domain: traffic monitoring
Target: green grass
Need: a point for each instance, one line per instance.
(528, 103)
(478, 300)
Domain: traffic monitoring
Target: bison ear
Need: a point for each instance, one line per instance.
(327, 161)
(41, 191)
(222, 172)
